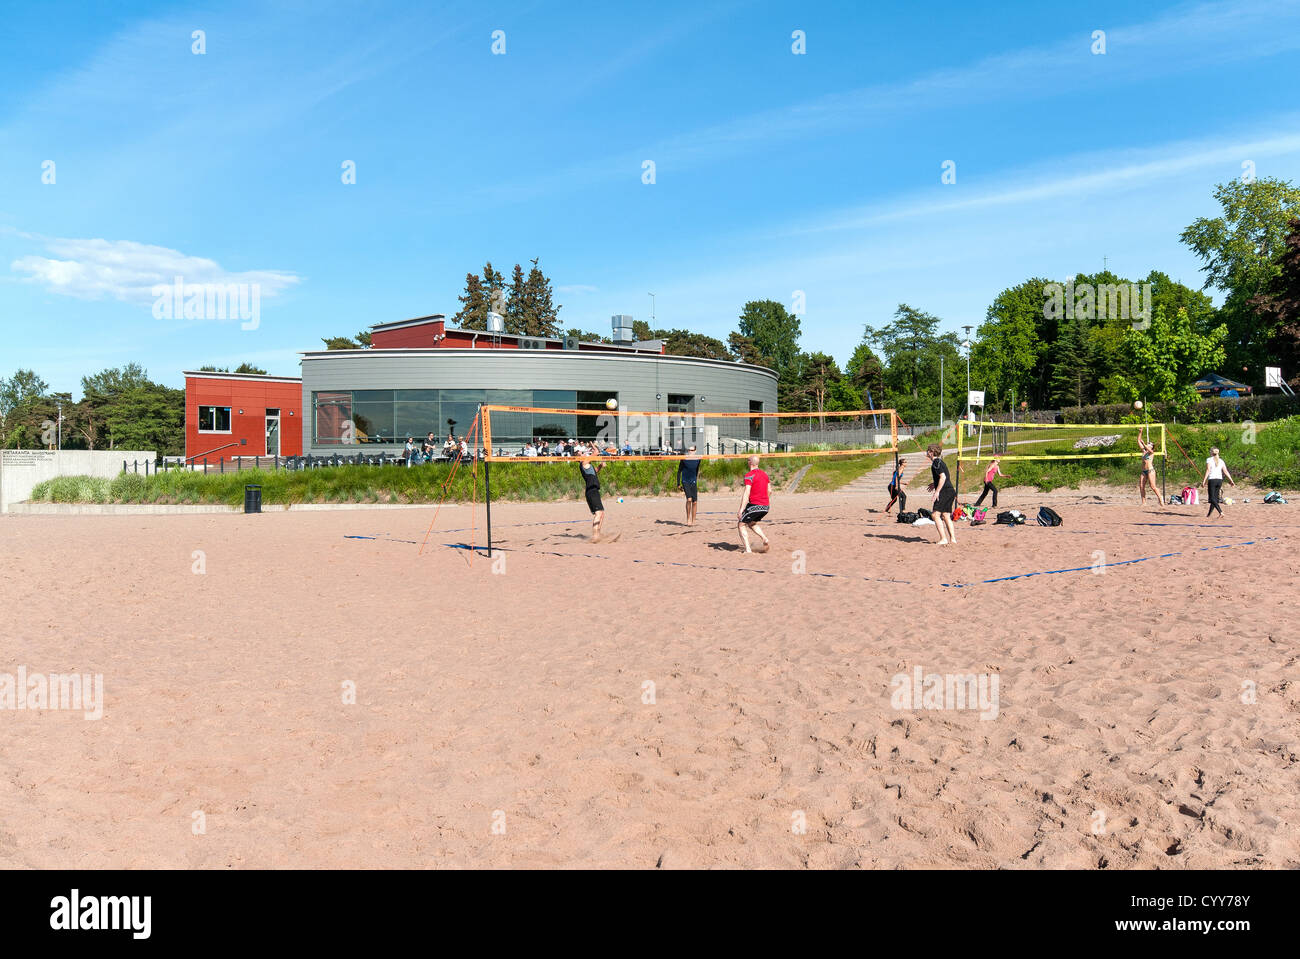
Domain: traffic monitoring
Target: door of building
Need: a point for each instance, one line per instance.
(272, 432)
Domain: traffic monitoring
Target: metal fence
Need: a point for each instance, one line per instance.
(272, 463)
(860, 437)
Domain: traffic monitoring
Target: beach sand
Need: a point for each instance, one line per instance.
(1147, 714)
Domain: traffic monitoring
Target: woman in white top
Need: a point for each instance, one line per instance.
(1215, 471)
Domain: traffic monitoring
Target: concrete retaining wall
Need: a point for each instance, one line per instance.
(21, 470)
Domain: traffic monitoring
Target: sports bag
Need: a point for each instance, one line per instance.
(1006, 518)
(1191, 496)
(924, 513)
(1048, 516)
(1175, 499)
(908, 517)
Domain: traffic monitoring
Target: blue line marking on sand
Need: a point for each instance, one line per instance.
(1080, 569)
(745, 569)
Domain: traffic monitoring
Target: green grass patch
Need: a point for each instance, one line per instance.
(522, 482)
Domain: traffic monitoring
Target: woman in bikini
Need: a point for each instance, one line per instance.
(1148, 476)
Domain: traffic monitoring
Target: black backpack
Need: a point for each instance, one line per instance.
(924, 513)
(1048, 516)
(1007, 518)
(908, 517)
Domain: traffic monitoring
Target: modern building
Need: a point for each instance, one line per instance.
(241, 414)
(420, 376)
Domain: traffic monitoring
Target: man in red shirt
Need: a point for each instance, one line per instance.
(754, 504)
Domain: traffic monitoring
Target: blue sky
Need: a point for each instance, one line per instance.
(774, 172)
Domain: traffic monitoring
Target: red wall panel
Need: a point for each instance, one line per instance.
(254, 398)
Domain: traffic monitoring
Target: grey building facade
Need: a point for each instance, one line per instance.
(376, 398)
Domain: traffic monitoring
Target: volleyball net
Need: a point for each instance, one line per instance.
(539, 434)
(979, 441)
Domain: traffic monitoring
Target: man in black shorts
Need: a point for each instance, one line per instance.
(688, 477)
(945, 495)
(590, 476)
(755, 503)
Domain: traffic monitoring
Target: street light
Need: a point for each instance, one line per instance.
(652, 309)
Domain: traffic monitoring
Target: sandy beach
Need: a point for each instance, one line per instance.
(661, 701)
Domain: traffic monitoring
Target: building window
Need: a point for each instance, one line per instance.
(680, 403)
(345, 417)
(214, 419)
(756, 422)
(332, 419)
(594, 399)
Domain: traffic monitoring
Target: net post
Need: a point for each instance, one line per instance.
(961, 437)
(486, 436)
(487, 501)
(1164, 465)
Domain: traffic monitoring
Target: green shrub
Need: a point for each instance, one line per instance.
(1260, 409)
(128, 488)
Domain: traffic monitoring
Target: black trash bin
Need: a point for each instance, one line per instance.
(252, 499)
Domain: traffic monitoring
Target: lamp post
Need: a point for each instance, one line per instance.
(967, 346)
(652, 310)
(940, 391)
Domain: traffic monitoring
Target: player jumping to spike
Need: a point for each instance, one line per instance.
(754, 505)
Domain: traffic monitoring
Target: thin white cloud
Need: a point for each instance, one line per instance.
(123, 270)
(1190, 38)
(1095, 174)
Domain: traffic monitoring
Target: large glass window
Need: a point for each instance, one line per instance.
(415, 413)
(390, 416)
(332, 424)
(459, 407)
(214, 419)
(372, 416)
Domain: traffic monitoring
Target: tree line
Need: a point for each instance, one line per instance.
(1049, 343)
(119, 408)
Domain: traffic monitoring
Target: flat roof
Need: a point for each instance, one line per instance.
(639, 346)
(417, 321)
(257, 377)
(624, 357)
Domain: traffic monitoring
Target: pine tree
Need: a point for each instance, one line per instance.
(517, 306)
(541, 313)
(1072, 368)
(473, 309)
